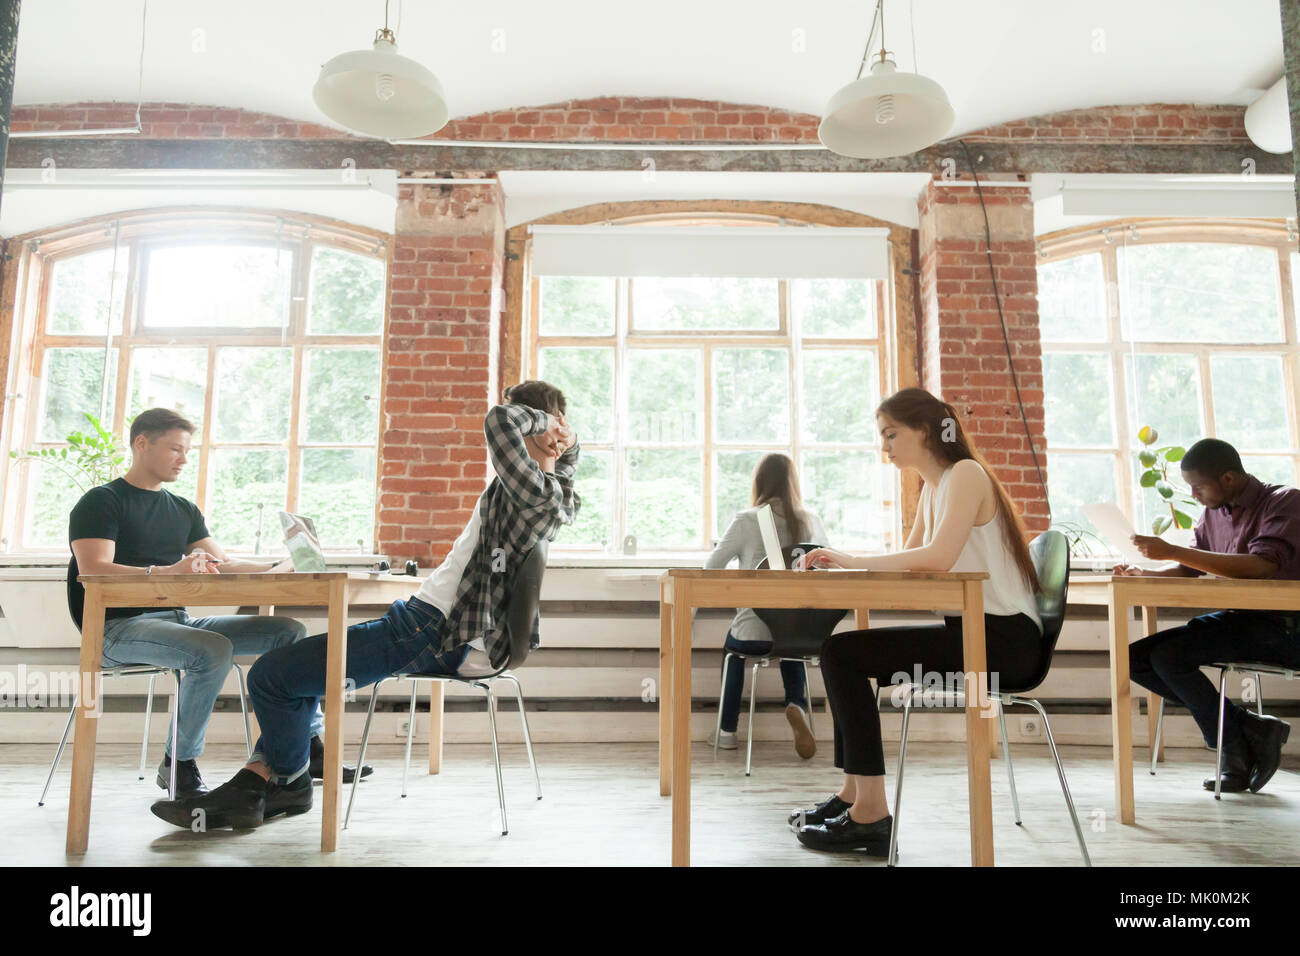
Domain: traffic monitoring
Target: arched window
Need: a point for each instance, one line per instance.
(265, 332)
(1186, 326)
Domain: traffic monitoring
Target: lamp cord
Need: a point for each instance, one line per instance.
(871, 35)
(1006, 340)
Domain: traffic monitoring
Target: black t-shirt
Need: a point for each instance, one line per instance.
(150, 527)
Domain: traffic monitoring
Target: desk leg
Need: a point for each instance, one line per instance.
(681, 728)
(1150, 624)
(89, 707)
(435, 725)
(1121, 718)
(978, 722)
(336, 656)
(665, 695)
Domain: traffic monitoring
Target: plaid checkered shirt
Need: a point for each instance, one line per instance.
(520, 507)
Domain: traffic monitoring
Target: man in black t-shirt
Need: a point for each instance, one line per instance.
(133, 523)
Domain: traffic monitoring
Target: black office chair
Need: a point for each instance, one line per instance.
(797, 635)
(525, 595)
(1051, 556)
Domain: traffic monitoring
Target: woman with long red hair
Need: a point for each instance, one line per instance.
(965, 522)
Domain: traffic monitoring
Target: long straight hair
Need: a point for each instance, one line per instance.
(947, 440)
(776, 482)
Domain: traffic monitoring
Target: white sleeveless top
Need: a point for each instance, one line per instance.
(1005, 591)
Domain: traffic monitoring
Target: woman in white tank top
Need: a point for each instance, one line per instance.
(965, 522)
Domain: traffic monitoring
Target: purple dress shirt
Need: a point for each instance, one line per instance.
(1264, 520)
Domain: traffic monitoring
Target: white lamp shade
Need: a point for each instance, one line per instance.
(380, 93)
(885, 114)
(1268, 120)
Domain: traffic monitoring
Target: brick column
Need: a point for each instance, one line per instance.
(443, 322)
(963, 357)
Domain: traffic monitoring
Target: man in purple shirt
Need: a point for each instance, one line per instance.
(1249, 529)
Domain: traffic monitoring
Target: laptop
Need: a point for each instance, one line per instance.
(771, 540)
(302, 541)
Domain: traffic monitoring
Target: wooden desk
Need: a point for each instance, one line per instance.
(207, 590)
(684, 589)
(1119, 593)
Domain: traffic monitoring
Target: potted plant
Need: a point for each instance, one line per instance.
(1156, 462)
(91, 459)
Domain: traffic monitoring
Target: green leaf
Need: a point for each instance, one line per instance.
(1147, 435)
(1161, 524)
(1175, 453)
(1183, 520)
(1149, 478)
(1165, 489)
(1147, 458)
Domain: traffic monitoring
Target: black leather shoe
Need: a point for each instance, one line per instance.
(317, 765)
(290, 799)
(1237, 767)
(239, 803)
(1266, 735)
(829, 808)
(842, 833)
(188, 781)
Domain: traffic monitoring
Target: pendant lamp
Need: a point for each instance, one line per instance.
(380, 93)
(887, 113)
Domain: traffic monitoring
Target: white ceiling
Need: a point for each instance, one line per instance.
(998, 60)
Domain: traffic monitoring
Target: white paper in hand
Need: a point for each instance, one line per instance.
(1117, 529)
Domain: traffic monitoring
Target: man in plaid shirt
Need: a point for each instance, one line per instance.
(453, 625)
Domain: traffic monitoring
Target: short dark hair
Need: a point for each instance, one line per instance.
(156, 422)
(1212, 458)
(542, 396)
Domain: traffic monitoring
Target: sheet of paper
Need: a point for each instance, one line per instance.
(1116, 529)
(771, 540)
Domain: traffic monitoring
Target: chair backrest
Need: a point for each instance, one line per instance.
(525, 595)
(798, 632)
(76, 594)
(1050, 552)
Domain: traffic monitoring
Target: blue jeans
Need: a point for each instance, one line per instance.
(202, 647)
(733, 679)
(286, 685)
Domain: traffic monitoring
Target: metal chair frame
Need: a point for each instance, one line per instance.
(760, 661)
(139, 670)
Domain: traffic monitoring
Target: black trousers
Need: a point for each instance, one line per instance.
(1169, 662)
(851, 659)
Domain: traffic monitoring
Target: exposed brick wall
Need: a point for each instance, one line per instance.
(1167, 123)
(963, 357)
(446, 261)
(646, 118)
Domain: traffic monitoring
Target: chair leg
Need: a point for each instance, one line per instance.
(176, 735)
(243, 706)
(898, 784)
(361, 759)
(58, 754)
(749, 729)
(496, 754)
(528, 740)
(1218, 750)
(1259, 694)
(1060, 773)
(148, 711)
(717, 728)
(1160, 727)
(410, 734)
(1006, 753)
(807, 691)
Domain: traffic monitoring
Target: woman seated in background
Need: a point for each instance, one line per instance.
(965, 522)
(775, 484)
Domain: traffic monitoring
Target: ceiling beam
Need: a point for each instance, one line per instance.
(990, 158)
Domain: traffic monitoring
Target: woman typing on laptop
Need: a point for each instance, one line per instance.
(775, 484)
(965, 522)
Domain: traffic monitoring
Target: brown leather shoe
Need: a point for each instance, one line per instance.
(805, 744)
